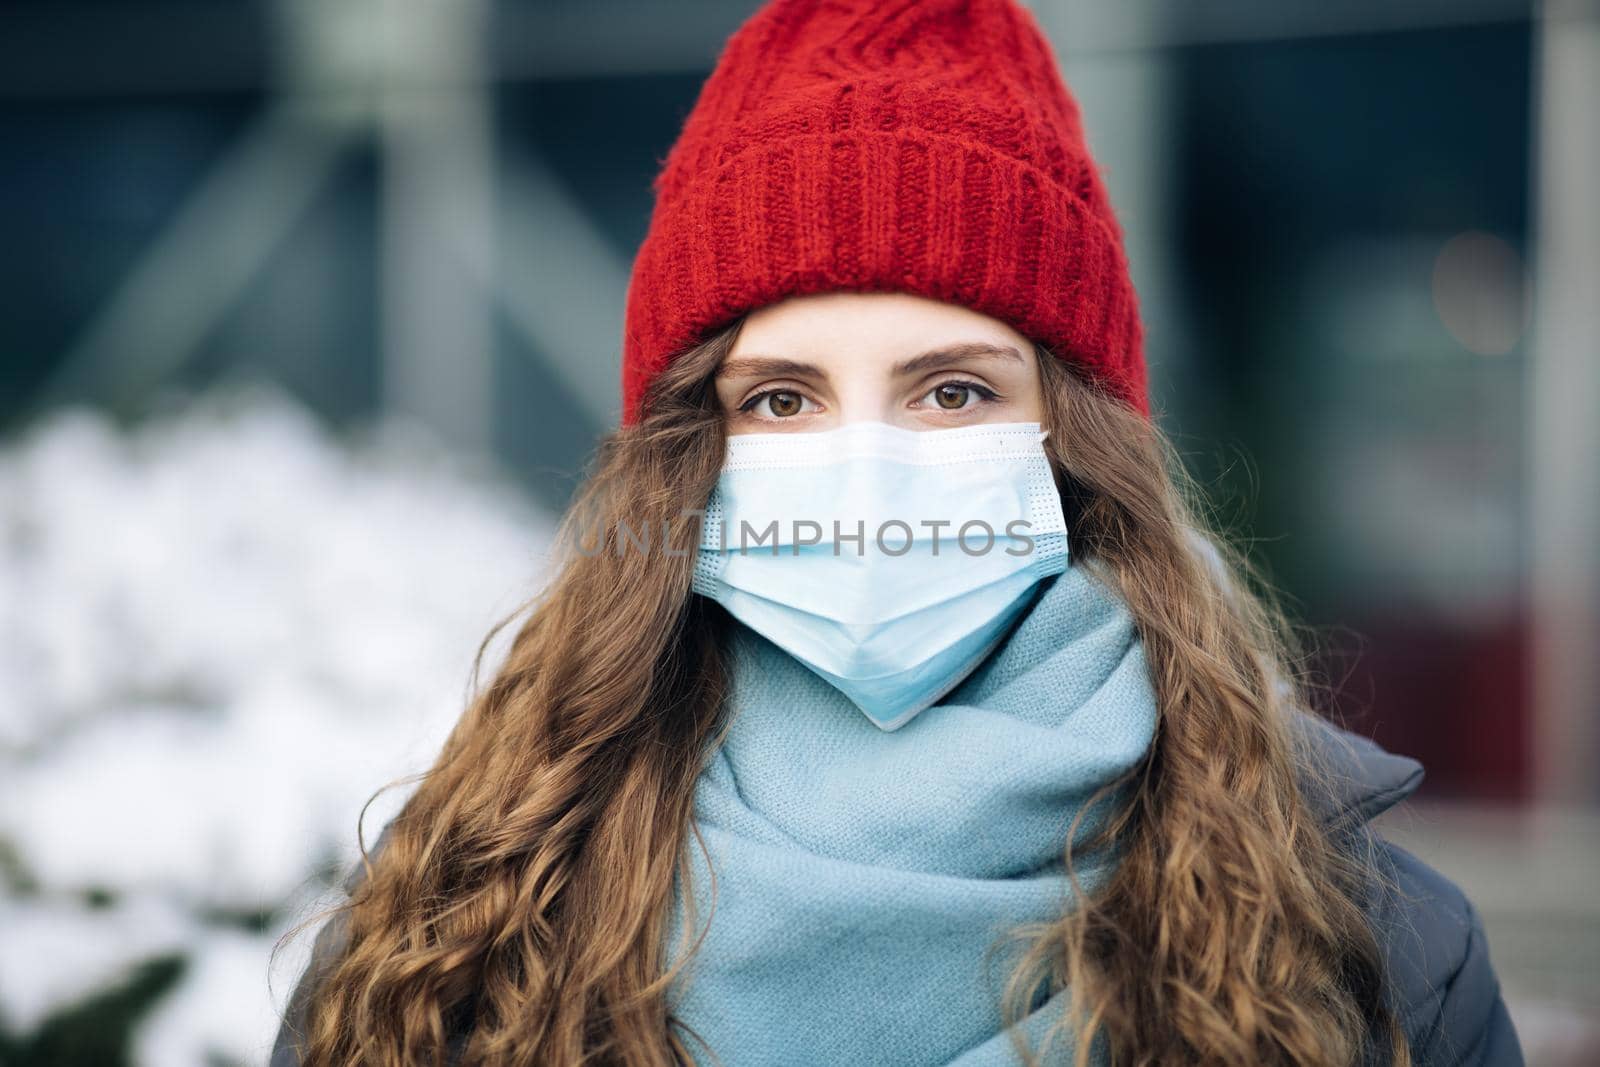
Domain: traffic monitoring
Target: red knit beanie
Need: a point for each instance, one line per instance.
(927, 147)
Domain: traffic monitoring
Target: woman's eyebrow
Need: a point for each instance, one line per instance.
(768, 366)
(943, 357)
(775, 366)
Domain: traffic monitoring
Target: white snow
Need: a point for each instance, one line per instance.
(220, 632)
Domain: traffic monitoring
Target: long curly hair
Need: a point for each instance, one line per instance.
(516, 909)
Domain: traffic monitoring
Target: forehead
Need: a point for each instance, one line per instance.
(822, 326)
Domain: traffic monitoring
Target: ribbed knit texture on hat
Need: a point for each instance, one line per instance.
(927, 147)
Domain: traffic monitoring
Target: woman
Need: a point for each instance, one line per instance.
(767, 778)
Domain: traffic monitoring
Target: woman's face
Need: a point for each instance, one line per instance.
(819, 361)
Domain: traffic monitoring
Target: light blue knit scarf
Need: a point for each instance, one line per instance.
(861, 875)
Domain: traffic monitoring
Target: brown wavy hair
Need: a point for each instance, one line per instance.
(514, 911)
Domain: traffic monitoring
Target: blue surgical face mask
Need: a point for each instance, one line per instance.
(889, 561)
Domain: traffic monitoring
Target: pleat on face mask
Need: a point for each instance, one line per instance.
(889, 561)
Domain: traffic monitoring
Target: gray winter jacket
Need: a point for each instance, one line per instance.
(1440, 972)
(1437, 956)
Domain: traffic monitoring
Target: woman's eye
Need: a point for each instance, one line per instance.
(955, 396)
(778, 403)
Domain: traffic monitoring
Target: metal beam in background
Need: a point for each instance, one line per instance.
(436, 207)
(1127, 99)
(197, 267)
(1563, 418)
(346, 73)
(562, 285)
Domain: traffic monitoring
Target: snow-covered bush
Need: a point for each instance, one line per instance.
(220, 632)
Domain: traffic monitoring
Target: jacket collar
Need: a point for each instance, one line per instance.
(1363, 780)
